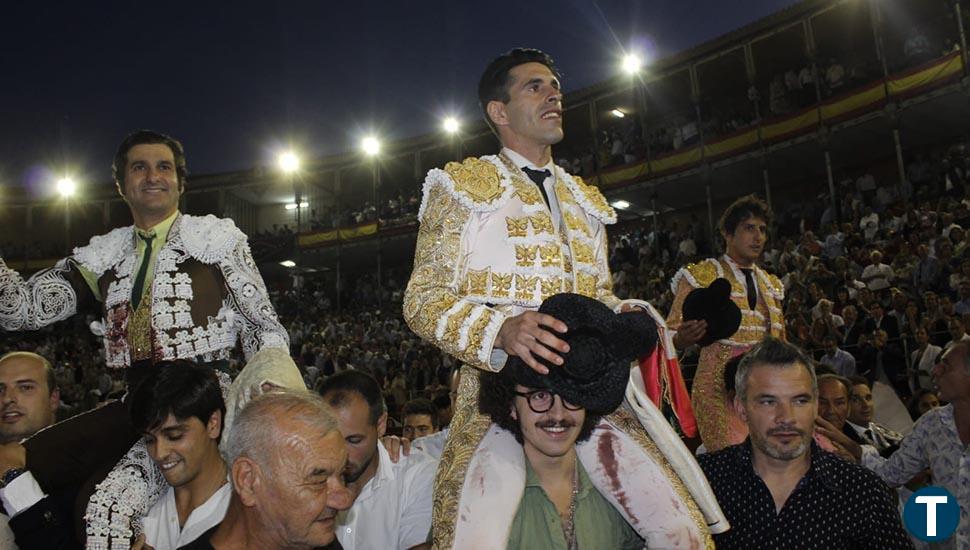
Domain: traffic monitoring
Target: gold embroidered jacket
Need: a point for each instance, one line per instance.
(488, 249)
(756, 323)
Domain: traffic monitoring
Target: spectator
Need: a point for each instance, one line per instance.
(777, 399)
(922, 361)
(840, 360)
(420, 418)
(393, 505)
(286, 457)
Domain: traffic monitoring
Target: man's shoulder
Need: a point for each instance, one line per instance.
(480, 184)
(207, 238)
(589, 197)
(843, 475)
(104, 251)
(720, 462)
(698, 275)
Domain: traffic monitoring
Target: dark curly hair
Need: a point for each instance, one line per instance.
(746, 207)
(495, 396)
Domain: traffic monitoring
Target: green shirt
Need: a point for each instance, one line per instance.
(161, 235)
(598, 525)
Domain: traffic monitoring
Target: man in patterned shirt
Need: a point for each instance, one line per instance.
(778, 489)
(939, 441)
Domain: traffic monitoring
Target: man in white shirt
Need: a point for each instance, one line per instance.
(877, 275)
(393, 505)
(179, 408)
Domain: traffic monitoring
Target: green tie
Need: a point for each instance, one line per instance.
(142, 271)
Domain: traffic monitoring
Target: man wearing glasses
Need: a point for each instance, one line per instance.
(553, 481)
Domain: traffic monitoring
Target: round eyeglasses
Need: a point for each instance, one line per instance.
(541, 401)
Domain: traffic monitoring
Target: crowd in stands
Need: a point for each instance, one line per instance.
(894, 258)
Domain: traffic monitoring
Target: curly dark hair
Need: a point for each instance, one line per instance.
(749, 206)
(495, 396)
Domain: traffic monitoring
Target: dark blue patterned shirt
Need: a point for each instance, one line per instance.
(836, 505)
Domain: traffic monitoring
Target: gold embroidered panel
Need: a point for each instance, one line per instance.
(476, 178)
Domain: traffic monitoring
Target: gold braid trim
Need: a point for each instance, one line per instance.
(468, 428)
(628, 424)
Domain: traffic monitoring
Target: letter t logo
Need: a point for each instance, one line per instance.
(931, 502)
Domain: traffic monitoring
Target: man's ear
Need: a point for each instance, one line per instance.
(382, 425)
(213, 428)
(498, 112)
(514, 413)
(55, 399)
(739, 408)
(246, 479)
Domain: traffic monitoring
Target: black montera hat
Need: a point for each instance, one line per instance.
(595, 371)
(714, 305)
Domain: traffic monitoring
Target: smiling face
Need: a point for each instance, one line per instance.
(551, 434)
(833, 402)
(779, 408)
(151, 185)
(300, 495)
(182, 448)
(533, 115)
(748, 241)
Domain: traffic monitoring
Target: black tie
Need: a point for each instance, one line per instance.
(142, 271)
(752, 292)
(539, 176)
(869, 436)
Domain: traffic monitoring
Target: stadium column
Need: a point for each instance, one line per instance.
(106, 215)
(963, 36)
(764, 176)
(594, 131)
(828, 173)
(338, 217)
(900, 164)
(377, 205)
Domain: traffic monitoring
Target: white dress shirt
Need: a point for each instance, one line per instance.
(393, 510)
(162, 531)
(433, 444)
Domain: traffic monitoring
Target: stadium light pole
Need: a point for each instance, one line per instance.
(371, 146)
(632, 65)
(66, 188)
(452, 126)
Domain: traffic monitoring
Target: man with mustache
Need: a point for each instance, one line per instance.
(392, 508)
(501, 233)
(778, 488)
(558, 472)
(758, 294)
(287, 462)
(171, 286)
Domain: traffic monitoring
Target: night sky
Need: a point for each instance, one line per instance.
(238, 81)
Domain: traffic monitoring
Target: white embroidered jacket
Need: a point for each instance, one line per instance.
(206, 295)
(488, 249)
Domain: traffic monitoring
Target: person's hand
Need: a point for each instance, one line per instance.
(526, 336)
(627, 308)
(12, 455)
(140, 544)
(845, 447)
(689, 333)
(396, 447)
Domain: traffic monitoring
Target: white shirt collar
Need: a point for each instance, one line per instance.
(521, 161)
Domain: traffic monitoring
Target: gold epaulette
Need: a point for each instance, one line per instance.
(703, 273)
(477, 182)
(594, 202)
